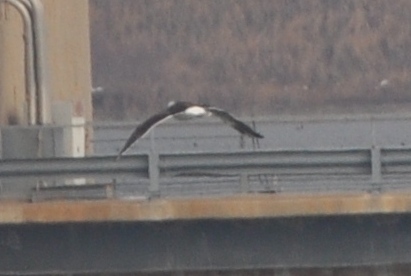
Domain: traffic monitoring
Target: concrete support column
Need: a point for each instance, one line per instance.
(67, 61)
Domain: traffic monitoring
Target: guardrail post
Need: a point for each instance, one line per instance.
(154, 174)
(376, 168)
(244, 182)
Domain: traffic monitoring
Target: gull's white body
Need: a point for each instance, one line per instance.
(191, 113)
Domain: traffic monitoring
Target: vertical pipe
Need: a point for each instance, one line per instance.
(43, 97)
(39, 103)
(29, 59)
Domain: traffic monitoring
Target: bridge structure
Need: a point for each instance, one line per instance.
(289, 207)
(313, 193)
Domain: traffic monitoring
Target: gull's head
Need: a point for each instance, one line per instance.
(171, 103)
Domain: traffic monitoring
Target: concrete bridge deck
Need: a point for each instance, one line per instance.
(230, 233)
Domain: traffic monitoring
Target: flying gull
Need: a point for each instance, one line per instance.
(183, 111)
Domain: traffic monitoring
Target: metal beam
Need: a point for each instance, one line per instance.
(325, 241)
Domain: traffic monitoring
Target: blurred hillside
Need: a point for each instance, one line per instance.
(254, 57)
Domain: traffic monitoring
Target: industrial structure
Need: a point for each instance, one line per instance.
(45, 71)
(305, 201)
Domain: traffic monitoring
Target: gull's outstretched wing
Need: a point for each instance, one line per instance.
(234, 123)
(144, 128)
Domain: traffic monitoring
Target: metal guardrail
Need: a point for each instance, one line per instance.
(355, 161)
(249, 171)
(60, 168)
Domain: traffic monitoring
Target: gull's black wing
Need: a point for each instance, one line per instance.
(234, 123)
(144, 128)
